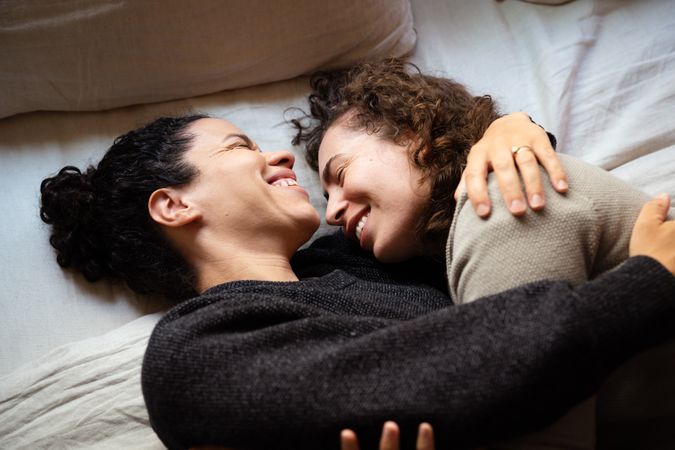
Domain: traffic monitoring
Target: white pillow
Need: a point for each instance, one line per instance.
(78, 55)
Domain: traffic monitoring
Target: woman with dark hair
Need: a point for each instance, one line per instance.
(99, 222)
(415, 131)
(271, 353)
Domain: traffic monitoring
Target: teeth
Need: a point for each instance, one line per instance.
(360, 225)
(285, 182)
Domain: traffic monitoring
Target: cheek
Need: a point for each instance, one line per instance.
(355, 186)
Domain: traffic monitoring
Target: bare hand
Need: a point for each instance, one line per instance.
(654, 236)
(493, 151)
(390, 439)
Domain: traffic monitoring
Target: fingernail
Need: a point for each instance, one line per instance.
(517, 206)
(662, 198)
(562, 185)
(482, 209)
(536, 201)
(390, 428)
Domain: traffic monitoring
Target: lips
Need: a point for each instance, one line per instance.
(286, 178)
(282, 174)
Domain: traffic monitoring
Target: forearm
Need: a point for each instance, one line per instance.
(459, 368)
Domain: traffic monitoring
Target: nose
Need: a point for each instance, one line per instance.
(282, 158)
(336, 209)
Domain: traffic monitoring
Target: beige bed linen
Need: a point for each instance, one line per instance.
(84, 395)
(85, 55)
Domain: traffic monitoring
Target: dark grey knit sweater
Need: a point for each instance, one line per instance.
(287, 365)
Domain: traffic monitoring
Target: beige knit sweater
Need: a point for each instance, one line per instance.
(576, 237)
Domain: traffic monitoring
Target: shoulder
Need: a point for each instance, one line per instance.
(593, 191)
(561, 241)
(591, 180)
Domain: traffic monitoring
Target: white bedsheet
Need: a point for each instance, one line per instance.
(81, 396)
(599, 74)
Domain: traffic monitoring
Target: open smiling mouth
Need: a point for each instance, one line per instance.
(360, 225)
(284, 182)
(290, 184)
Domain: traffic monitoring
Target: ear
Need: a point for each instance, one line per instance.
(167, 207)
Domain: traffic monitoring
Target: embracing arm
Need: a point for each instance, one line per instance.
(251, 374)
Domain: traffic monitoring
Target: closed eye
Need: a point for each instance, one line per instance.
(241, 141)
(248, 145)
(339, 174)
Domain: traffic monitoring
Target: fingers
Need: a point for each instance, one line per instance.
(461, 187)
(663, 202)
(509, 183)
(390, 436)
(653, 235)
(548, 158)
(348, 440)
(529, 171)
(495, 150)
(425, 437)
(475, 180)
(653, 214)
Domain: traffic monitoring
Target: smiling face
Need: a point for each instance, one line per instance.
(373, 191)
(244, 193)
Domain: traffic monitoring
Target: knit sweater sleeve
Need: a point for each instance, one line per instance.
(263, 372)
(576, 237)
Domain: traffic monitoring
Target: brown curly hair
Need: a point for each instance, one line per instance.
(436, 118)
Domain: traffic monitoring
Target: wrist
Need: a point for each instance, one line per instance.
(551, 136)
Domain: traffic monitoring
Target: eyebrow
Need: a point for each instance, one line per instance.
(326, 173)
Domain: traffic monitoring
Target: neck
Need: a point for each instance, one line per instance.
(216, 260)
(244, 267)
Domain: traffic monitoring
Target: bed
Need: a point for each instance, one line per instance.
(599, 74)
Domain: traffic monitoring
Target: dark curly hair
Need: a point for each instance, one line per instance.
(100, 220)
(436, 117)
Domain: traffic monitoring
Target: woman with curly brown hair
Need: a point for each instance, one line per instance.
(390, 145)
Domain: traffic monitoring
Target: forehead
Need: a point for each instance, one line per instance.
(208, 136)
(340, 138)
(211, 130)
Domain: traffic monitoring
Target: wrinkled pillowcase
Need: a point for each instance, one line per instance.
(78, 55)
